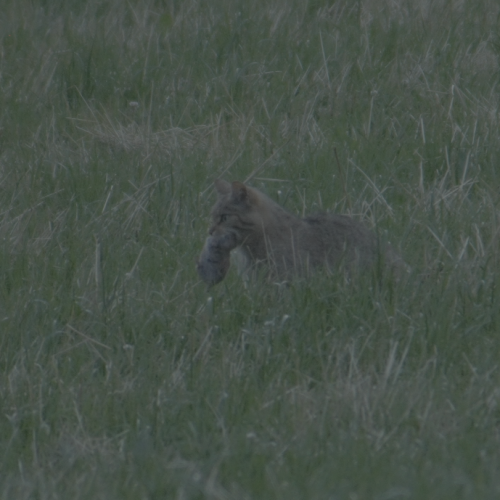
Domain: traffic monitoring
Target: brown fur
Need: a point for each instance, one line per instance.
(266, 234)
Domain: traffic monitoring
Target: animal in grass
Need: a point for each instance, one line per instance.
(267, 235)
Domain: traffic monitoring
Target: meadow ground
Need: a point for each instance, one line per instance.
(121, 376)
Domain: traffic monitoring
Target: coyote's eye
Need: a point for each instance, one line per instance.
(224, 217)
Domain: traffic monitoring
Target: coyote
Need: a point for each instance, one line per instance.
(267, 235)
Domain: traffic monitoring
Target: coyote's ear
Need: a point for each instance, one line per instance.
(243, 193)
(222, 187)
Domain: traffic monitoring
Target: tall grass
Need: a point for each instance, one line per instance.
(121, 376)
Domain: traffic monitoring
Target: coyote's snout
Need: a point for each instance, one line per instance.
(267, 235)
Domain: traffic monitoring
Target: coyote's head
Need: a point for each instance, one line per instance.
(234, 218)
(236, 211)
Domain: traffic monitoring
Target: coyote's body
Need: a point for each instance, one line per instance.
(267, 235)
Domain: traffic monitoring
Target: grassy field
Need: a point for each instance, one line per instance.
(121, 377)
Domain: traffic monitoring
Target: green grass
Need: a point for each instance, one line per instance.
(121, 376)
